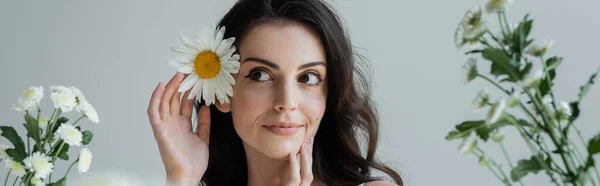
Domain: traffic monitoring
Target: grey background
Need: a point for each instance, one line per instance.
(117, 51)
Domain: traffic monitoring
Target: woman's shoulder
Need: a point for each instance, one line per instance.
(379, 183)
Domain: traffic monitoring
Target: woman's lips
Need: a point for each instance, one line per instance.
(284, 128)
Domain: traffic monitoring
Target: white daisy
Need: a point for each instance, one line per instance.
(470, 69)
(495, 6)
(79, 98)
(40, 164)
(540, 50)
(30, 98)
(3, 154)
(210, 61)
(85, 159)
(481, 100)
(497, 135)
(468, 144)
(63, 98)
(15, 168)
(43, 123)
(69, 134)
(471, 28)
(37, 182)
(90, 112)
(484, 160)
(532, 80)
(496, 111)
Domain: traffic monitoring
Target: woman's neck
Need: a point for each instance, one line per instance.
(263, 170)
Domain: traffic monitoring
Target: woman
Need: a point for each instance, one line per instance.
(300, 103)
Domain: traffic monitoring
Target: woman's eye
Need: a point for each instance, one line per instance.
(258, 75)
(310, 78)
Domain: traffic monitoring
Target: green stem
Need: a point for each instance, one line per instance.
(75, 124)
(17, 178)
(58, 152)
(584, 143)
(502, 24)
(508, 158)
(479, 153)
(7, 175)
(68, 170)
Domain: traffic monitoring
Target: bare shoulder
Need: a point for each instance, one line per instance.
(380, 183)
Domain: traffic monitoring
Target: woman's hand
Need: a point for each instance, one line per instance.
(183, 152)
(299, 171)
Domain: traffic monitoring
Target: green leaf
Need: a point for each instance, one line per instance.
(594, 145)
(548, 81)
(523, 73)
(464, 129)
(527, 166)
(483, 132)
(87, 137)
(61, 182)
(33, 130)
(519, 36)
(501, 64)
(18, 153)
(63, 154)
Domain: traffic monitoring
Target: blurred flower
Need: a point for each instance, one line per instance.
(481, 100)
(3, 154)
(63, 98)
(37, 182)
(495, 6)
(79, 98)
(533, 80)
(40, 164)
(540, 50)
(15, 168)
(29, 100)
(85, 160)
(471, 28)
(484, 160)
(210, 61)
(468, 144)
(514, 99)
(496, 111)
(497, 135)
(470, 70)
(69, 134)
(90, 112)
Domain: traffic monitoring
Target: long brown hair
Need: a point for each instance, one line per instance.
(349, 115)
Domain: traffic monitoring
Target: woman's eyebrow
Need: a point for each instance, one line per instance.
(276, 67)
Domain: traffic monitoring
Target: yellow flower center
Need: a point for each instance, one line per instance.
(207, 64)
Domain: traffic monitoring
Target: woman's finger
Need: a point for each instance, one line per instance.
(204, 123)
(187, 105)
(295, 178)
(175, 104)
(169, 91)
(153, 113)
(306, 165)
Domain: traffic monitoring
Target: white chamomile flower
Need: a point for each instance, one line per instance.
(540, 50)
(481, 100)
(484, 160)
(43, 123)
(85, 160)
(470, 69)
(497, 135)
(210, 61)
(495, 6)
(79, 98)
(565, 108)
(532, 80)
(37, 182)
(63, 98)
(30, 98)
(496, 111)
(40, 164)
(15, 168)
(563, 112)
(90, 112)
(471, 29)
(514, 99)
(69, 134)
(3, 154)
(468, 144)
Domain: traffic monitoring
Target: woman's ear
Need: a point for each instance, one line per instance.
(223, 107)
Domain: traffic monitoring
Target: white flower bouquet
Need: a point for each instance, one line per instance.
(528, 104)
(48, 139)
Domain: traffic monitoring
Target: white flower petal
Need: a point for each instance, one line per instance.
(40, 164)
(197, 90)
(208, 93)
(187, 41)
(185, 50)
(188, 82)
(85, 160)
(69, 134)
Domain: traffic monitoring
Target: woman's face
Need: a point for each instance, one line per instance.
(280, 91)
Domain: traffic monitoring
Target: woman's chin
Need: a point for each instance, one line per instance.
(278, 149)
